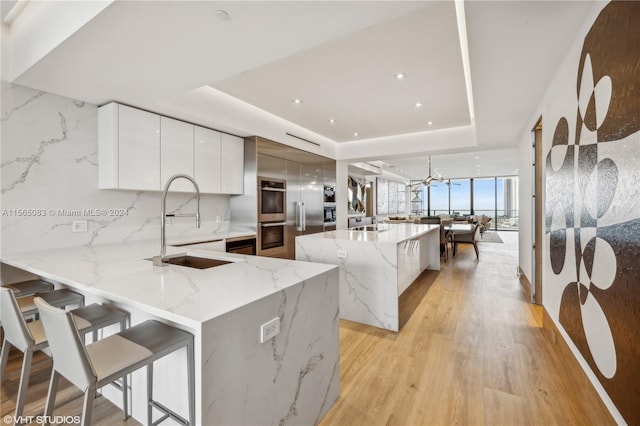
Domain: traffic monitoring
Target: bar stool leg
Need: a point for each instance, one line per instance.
(125, 388)
(149, 393)
(51, 397)
(24, 382)
(87, 409)
(125, 398)
(192, 382)
(4, 356)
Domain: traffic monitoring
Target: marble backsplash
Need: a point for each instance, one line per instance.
(49, 178)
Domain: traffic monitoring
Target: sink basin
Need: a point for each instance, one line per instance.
(198, 262)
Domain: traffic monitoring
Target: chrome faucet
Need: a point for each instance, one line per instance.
(159, 260)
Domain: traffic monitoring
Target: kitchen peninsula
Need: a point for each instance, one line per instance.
(292, 378)
(377, 264)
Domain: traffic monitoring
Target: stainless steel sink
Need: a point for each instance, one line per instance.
(191, 261)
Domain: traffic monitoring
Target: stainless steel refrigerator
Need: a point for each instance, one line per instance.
(305, 202)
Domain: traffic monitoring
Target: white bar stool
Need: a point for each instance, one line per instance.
(91, 367)
(30, 337)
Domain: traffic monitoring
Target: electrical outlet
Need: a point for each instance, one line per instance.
(269, 330)
(341, 254)
(167, 220)
(79, 226)
(218, 219)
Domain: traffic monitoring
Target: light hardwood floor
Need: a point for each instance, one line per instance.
(471, 351)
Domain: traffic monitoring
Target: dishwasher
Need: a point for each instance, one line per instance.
(241, 245)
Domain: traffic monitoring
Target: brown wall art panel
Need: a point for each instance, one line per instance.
(593, 207)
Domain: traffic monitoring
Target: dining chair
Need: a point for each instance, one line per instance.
(444, 250)
(467, 237)
(93, 366)
(29, 337)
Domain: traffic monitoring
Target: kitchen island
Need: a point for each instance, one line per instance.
(377, 264)
(291, 379)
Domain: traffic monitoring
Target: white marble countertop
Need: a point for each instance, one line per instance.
(392, 233)
(188, 296)
(195, 239)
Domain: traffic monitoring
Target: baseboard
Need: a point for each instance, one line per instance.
(585, 390)
(525, 283)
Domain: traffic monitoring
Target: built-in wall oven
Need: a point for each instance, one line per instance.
(272, 239)
(272, 217)
(272, 199)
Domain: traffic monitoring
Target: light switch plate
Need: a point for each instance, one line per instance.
(79, 226)
(341, 254)
(269, 330)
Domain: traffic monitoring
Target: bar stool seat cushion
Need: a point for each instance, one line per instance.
(57, 298)
(96, 316)
(27, 288)
(113, 354)
(159, 338)
(37, 332)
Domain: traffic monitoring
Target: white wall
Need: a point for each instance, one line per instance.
(49, 158)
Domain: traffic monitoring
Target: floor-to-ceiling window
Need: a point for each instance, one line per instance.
(507, 202)
(438, 199)
(496, 197)
(460, 196)
(484, 198)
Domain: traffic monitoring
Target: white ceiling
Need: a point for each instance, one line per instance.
(177, 58)
(352, 80)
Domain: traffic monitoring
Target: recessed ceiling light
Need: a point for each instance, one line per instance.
(297, 101)
(222, 15)
(418, 104)
(332, 121)
(477, 156)
(355, 133)
(430, 123)
(401, 76)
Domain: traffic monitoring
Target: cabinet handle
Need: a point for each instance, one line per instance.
(299, 216)
(271, 225)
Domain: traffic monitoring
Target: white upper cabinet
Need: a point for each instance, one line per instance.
(232, 165)
(140, 150)
(176, 152)
(207, 159)
(129, 149)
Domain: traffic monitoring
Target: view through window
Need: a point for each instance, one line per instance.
(495, 197)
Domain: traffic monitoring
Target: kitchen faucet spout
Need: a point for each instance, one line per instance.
(159, 260)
